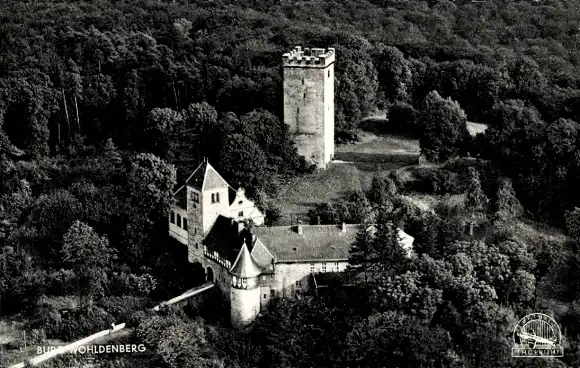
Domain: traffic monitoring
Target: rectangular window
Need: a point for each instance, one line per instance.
(272, 293)
(217, 197)
(304, 95)
(324, 267)
(297, 110)
(241, 214)
(196, 246)
(265, 296)
(312, 268)
(184, 224)
(213, 198)
(302, 80)
(172, 217)
(196, 197)
(337, 266)
(329, 74)
(178, 220)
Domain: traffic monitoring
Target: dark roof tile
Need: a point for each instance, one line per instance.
(318, 242)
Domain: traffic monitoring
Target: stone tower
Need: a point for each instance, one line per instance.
(309, 102)
(207, 198)
(245, 288)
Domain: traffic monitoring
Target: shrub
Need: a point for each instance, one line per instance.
(122, 307)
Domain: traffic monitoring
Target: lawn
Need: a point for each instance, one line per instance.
(353, 169)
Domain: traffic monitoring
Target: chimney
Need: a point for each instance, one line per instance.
(343, 227)
(299, 229)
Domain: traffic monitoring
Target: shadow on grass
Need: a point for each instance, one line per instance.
(363, 160)
(381, 126)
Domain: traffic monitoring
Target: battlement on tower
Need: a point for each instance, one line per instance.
(308, 57)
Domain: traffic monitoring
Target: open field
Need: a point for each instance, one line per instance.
(353, 169)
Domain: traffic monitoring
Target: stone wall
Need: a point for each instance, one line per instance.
(287, 274)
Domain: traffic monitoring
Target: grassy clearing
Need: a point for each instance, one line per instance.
(355, 166)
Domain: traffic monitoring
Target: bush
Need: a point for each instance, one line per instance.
(403, 120)
(122, 307)
(342, 136)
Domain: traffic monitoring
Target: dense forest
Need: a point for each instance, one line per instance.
(105, 106)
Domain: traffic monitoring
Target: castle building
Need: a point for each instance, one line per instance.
(252, 264)
(309, 102)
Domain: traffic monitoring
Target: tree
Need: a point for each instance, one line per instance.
(151, 181)
(443, 127)
(573, 223)
(395, 75)
(160, 127)
(475, 198)
(506, 205)
(90, 256)
(244, 162)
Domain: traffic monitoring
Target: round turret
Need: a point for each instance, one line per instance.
(245, 288)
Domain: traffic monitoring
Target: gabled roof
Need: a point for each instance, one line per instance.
(318, 242)
(224, 238)
(205, 177)
(245, 265)
(180, 196)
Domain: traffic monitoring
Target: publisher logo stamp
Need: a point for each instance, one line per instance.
(537, 335)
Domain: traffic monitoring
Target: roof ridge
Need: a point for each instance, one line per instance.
(205, 175)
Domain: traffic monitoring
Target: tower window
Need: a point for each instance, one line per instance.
(172, 217)
(241, 214)
(302, 80)
(196, 246)
(324, 267)
(304, 95)
(329, 74)
(178, 220)
(213, 198)
(195, 197)
(297, 110)
(337, 266)
(184, 224)
(312, 268)
(298, 284)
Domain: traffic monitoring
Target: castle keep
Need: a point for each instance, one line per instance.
(250, 266)
(309, 102)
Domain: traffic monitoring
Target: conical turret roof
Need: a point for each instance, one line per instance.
(245, 265)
